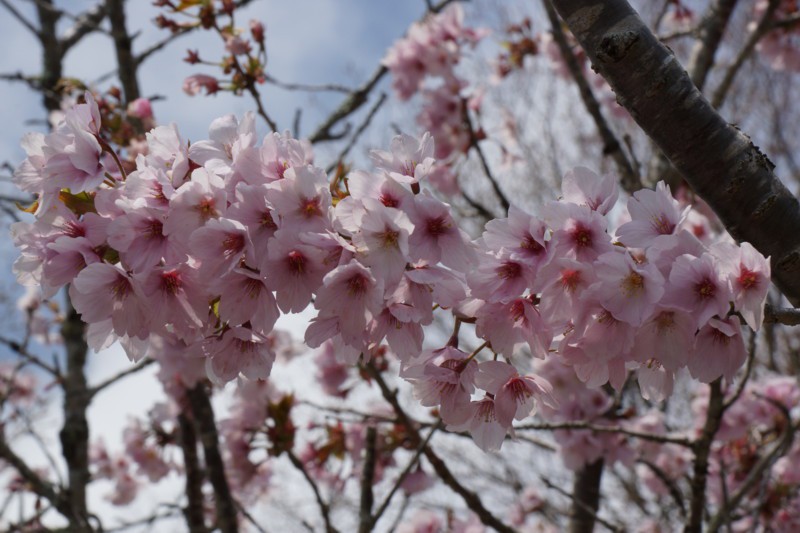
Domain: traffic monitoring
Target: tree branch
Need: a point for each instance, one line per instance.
(21, 18)
(85, 24)
(324, 508)
(355, 99)
(471, 499)
(74, 434)
(194, 511)
(365, 520)
(586, 497)
(702, 450)
(126, 61)
(203, 415)
(611, 146)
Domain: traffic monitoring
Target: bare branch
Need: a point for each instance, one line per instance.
(323, 507)
(364, 125)
(583, 425)
(471, 499)
(702, 450)
(355, 99)
(414, 460)
(365, 520)
(123, 374)
(764, 25)
(473, 140)
(203, 416)
(289, 86)
(754, 475)
(611, 146)
(85, 23)
(20, 17)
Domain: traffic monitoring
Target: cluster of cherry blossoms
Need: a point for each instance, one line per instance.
(432, 49)
(202, 247)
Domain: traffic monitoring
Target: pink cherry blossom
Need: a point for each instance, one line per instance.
(719, 350)
(748, 273)
(653, 214)
(515, 396)
(695, 286)
(582, 186)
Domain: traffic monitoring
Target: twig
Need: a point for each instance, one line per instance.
(355, 100)
(764, 25)
(414, 460)
(471, 499)
(474, 143)
(751, 355)
(20, 17)
(766, 461)
(324, 508)
(582, 425)
(364, 125)
(123, 374)
(672, 488)
(330, 87)
(611, 146)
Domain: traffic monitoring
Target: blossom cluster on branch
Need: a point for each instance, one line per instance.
(205, 245)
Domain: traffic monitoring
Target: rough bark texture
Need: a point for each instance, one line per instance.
(586, 497)
(719, 162)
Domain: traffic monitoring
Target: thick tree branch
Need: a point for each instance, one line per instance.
(194, 512)
(365, 520)
(203, 415)
(74, 435)
(586, 497)
(709, 35)
(126, 61)
(720, 162)
(51, 54)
